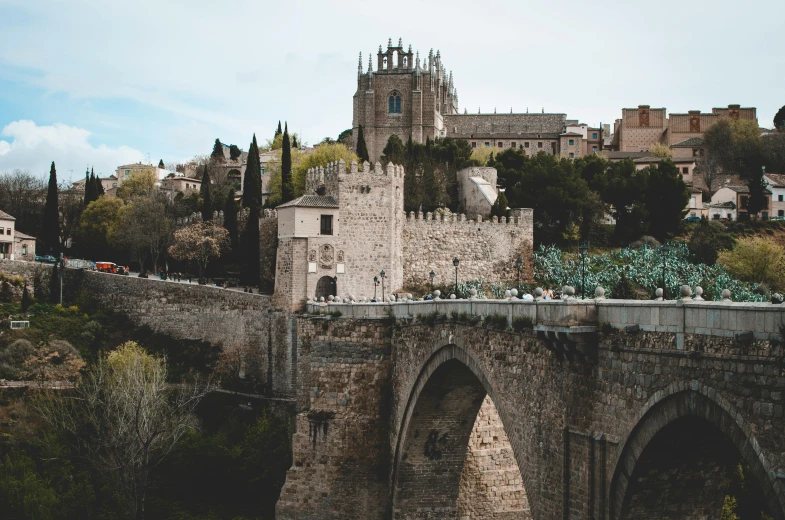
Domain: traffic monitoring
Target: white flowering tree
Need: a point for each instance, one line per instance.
(200, 242)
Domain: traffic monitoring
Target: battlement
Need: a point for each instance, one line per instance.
(270, 213)
(328, 176)
(518, 217)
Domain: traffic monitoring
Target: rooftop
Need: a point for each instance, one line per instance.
(689, 143)
(777, 180)
(488, 191)
(311, 201)
(24, 236)
(6, 216)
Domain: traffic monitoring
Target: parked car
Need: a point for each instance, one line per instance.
(46, 259)
(692, 218)
(106, 267)
(777, 218)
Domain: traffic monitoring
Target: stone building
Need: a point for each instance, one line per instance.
(350, 226)
(14, 245)
(641, 128)
(410, 98)
(478, 191)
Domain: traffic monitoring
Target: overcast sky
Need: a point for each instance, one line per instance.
(106, 82)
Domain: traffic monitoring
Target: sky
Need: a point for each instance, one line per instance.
(105, 82)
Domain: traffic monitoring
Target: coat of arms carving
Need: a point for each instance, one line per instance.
(326, 256)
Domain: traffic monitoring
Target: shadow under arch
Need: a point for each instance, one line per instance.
(684, 400)
(448, 392)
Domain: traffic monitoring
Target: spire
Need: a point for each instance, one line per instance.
(450, 78)
(380, 49)
(360, 64)
(410, 48)
(389, 43)
(494, 110)
(465, 111)
(510, 110)
(417, 62)
(370, 63)
(400, 42)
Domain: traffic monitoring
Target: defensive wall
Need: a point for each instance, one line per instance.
(225, 318)
(582, 388)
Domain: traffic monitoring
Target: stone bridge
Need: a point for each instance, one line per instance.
(608, 409)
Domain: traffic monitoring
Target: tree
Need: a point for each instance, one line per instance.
(22, 196)
(204, 192)
(141, 184)
(126, 418)
(345, 137)
(362, 149)
(707, 240)
(755, 260)
(249, 274)
(394, 151)
(758, 200)
(278, 131)
(144, 228)
(56, 360)
(99, 187)
(661, 150)
(230, 223)
(97, 219)
(161, 164)
(200, 242)
(294, 141)
(287, 193)
(499, 208)
(252, 184)
(708, 169)
(234, 152)
(779, 118)
(71, 208)
(50, 226)
(666, 199)
(89, 188)
(218, 151)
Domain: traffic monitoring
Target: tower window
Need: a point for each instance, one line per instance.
(539, 145)
(474, 144)
(501, 144)
(572, 142)
(394, 103)
(594, 135)
(326, 224)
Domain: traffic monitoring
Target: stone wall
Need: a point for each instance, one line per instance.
(465, 125)
(487, 249)
(491, 484)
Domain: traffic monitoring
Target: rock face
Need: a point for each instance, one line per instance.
(491, 484)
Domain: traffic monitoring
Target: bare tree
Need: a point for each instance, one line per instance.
(22, 195)
(709, 170)
(200, 242)
(126, 418)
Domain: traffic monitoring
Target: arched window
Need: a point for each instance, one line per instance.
(394, 103)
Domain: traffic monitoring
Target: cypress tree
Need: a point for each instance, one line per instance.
(252, 183)
(230, 223)
(161, 164)
(294, 141)
(50, 224)
(249, 274)
(204, 191)
(99, 188)
(278, 132)
(218, 151)
(362, 150)
(88, 188)
(286, 167)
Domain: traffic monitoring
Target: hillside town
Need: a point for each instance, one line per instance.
(439, 311)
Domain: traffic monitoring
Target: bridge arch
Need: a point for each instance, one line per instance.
(682, 401)
(438, 418)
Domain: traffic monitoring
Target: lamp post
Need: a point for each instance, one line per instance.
(584, 250)
(375, 285)
(432, 275)
(664, 250)
(455, 262)
(382, 275)
(518, 264)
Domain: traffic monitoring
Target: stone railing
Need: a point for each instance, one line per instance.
(740, 320)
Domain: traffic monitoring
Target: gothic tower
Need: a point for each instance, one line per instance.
(404, 96)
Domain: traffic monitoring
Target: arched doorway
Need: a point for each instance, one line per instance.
(685, 455)
(450, 426)
(325, 287)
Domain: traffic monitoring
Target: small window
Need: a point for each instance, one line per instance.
(487, 144)
(593, 148)
(694, 152)
(572, 155)
(394, 105)
(716, 216)
(780, 198)
(501, 144)
(128, 172)
(572, 142)
(114, 185)
(514, 144)
(594, 135)
(474, 144)
(744, 202)
(1, 231)
(781, 213)
(327, 225)
(539, 145)
(9, 231)
(24, 249)
(526, 144)
(685, 170)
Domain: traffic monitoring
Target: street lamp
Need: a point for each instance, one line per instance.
(584, 250)
(375, 285)
(455, 262)
(382, 275)
(518, 264)
(664, 250)
(432, 275)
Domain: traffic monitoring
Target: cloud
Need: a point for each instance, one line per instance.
(32, 147)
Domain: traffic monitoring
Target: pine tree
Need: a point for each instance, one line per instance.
(286, 167)
(50, 224)
(218, 151)
(252, 183)
(362, 150)
(204, 191)
(230, 223)
(278, 132)
(499, 208)
(491, 160)
(161, 164)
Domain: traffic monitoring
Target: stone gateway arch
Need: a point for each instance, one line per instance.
(650, 415)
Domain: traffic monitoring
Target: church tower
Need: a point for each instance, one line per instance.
(404, 96)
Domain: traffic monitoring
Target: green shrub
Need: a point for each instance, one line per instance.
(606, 329)
(496, 321)
(334, 314)
(522, 324)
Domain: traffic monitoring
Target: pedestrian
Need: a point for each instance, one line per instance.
(189, 277)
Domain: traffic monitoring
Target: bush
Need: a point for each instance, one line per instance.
(624, 289)
(496, 321)
(647, 241)
(756, 260)
(522, 324)
(706, 242)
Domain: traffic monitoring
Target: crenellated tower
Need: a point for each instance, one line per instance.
(404, 96)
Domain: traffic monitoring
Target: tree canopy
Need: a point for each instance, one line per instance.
(779, 118)
(218, 151)
(362, 149)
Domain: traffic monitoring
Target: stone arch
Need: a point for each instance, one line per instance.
(684, 400)
(442, 449)
(325, 287)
